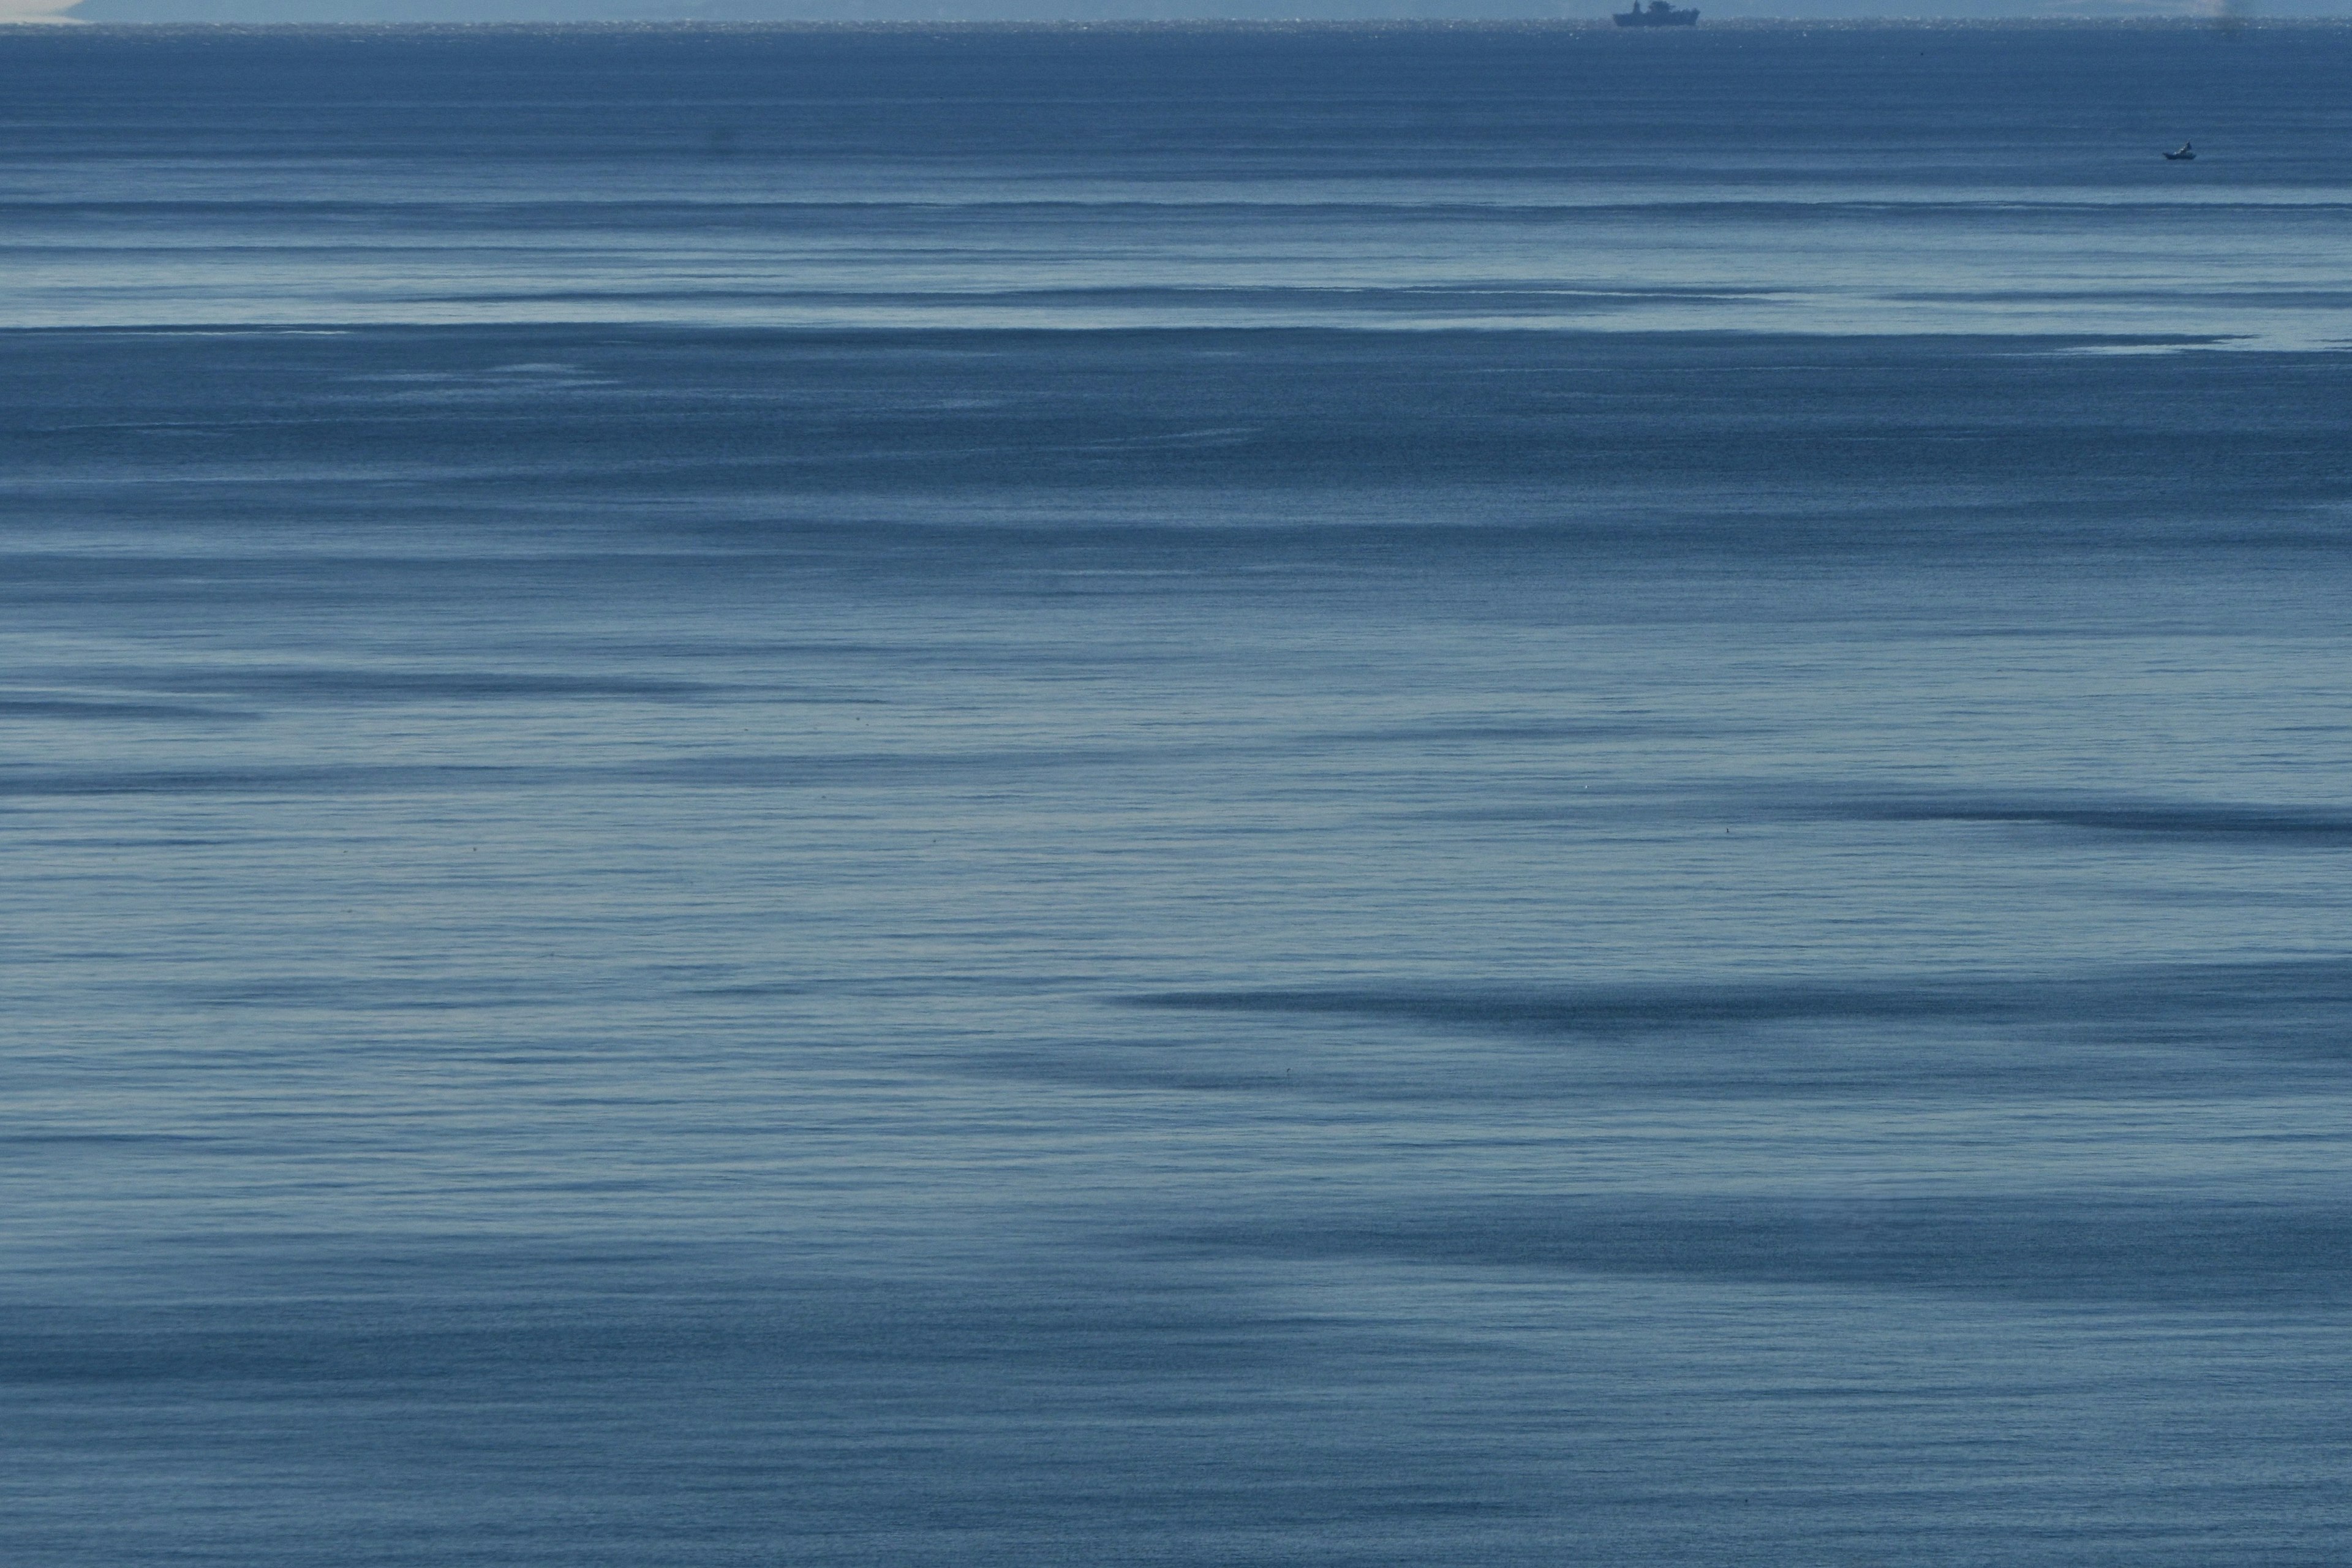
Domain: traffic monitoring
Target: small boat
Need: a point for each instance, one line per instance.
(1659, 14)
(2187, 154)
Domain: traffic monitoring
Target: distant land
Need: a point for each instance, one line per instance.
(544, 11)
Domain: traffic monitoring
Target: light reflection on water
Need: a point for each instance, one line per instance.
(685, 938)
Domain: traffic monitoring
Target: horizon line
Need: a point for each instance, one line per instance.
(2054, 19)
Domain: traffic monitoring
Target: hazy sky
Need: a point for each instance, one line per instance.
(584, 10)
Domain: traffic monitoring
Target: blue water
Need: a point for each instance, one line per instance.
(1491, 796)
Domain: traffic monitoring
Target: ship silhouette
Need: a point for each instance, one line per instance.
(1659, 14)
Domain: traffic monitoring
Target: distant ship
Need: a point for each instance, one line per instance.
(2187, 153)
(1659, 14)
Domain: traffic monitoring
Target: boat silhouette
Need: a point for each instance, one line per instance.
(1659, 14)
(2187, 154)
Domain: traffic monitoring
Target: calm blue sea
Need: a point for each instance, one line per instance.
(1412, 795)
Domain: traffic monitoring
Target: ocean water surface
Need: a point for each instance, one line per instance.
(1284, 796)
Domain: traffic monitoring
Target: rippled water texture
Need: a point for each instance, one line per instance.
(1508, 797)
